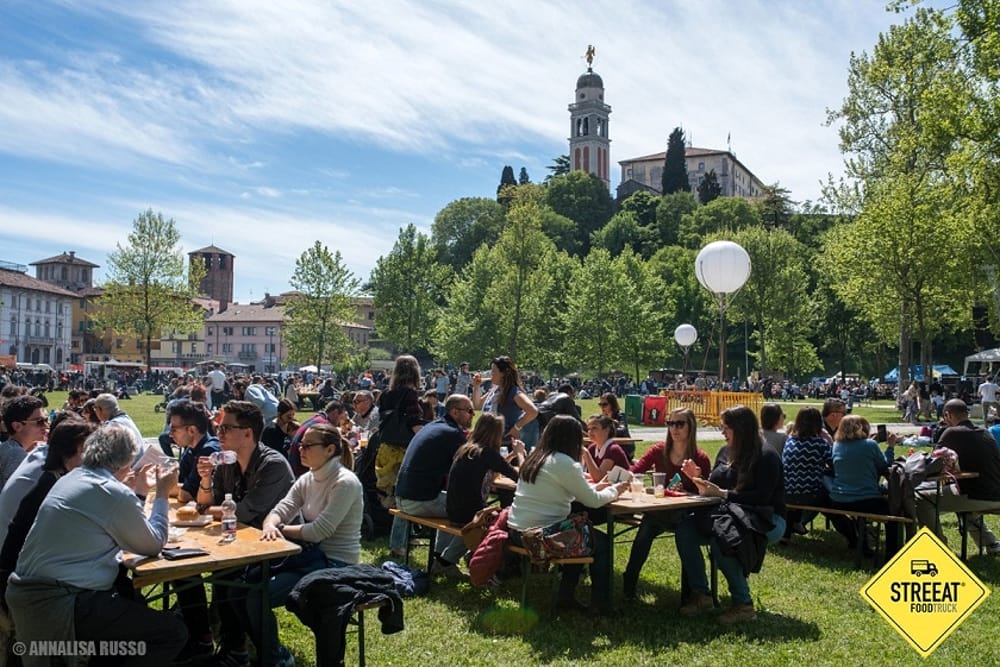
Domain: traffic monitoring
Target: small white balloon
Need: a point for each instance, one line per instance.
(685, 335)
(722, 267)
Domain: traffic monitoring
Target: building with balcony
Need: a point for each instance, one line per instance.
(250, 334)
(35, 318)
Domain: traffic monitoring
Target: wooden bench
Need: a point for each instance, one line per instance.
(526, 569)
(862, 519)
(436, 523)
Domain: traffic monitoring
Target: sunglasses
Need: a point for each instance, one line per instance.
(603, 405)
(41, 421)
(226, 428)
(679, 424)
(307, 445)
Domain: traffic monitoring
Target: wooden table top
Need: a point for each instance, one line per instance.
(630, 503)
(246, 549)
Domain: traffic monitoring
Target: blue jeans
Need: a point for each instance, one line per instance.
(689, 542)
(451, 547)
(279, 586)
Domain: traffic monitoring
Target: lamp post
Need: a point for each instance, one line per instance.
(685, 335)
(722, 267)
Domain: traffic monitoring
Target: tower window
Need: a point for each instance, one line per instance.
(222, 261)
(208, 261)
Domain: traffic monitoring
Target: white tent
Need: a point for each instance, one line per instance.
(982, 357)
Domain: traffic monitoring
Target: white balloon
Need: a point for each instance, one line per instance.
(685, 335)
(722, 267)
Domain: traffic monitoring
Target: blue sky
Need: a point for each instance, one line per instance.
(262, 126)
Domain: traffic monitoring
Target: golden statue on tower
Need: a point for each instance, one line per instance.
(591, 52)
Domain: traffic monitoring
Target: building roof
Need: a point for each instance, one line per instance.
(249, 312)
(66, 258)
(19, 280)
(214, 249)
(589, 79)
(690, 151)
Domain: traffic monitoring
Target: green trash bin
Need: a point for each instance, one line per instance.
(633, 409)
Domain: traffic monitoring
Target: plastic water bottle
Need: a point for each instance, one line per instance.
(224, 457)
(228, 518)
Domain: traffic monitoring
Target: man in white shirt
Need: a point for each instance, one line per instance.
(107, 410)
(217, 390)
(988, 392)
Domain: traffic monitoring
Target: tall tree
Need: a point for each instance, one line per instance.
(776, 207)
(507, 181)
(584, 199)
(904, 259)
(462, 226)
(522, 177)
(641, 339)
(409, 285)
(709, 188)
(323, 302)
(560, 167)
(149, 288)
(675, 173)
(594, 303)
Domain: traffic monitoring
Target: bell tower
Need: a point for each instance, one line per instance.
(589, 141)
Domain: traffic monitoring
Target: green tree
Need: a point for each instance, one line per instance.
(507, 183)
(462, 226)
(560, 167)
(725, 214)
(409, 286)
(324, 300)
(904, 259)
(149, 288)
(693, 305)
(584, 199)
(594, 304)
(775, 209)
(670, 211)
(622, 231)
(642, 336)
(709, 188)
(675, 173)
(523, 178)
(776, 301)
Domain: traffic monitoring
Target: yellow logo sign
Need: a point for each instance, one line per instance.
(925, 592)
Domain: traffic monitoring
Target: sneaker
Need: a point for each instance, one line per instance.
(993, 549)
(698, 603)
(230, 658)
(738, 613)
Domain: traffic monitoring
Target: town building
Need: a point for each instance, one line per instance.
(646, 173)
(35, 318)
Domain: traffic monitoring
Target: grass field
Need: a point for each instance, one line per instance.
(807, 596)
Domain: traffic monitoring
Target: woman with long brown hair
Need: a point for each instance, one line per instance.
(475, 464)
(551, 478)
(667, 457)
(752, 479)
(506, 397)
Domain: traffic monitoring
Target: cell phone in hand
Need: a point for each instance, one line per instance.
(881, 435)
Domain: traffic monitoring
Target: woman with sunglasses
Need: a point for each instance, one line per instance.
(666, 457)
(608, 403)
(506, 397)
(752, 478)
(328, 498)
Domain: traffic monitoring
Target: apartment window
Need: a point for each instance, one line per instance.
(59, 308)
(38, 327)
(208, 348)
(227, 331)
(249, 331)
(48, 306)
(13, 326)
(701, 166)
(38, 305)
(269, 348)
(248, 347)
(227, 348)
(118, 343)
(210, 331)
(27, 304)
(194, 348)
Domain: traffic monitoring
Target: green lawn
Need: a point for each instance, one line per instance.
(807, 593)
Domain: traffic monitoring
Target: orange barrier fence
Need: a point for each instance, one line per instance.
(706, 405)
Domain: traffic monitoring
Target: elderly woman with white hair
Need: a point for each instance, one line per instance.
(67, 583)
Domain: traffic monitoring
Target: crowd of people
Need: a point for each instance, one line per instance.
(73, 500)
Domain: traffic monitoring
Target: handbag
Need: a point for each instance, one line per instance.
(569, 538)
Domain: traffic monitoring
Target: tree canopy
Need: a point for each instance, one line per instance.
(675, 173)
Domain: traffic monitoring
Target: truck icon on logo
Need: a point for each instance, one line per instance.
(921, 567)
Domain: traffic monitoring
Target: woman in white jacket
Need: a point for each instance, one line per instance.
(550, 479)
